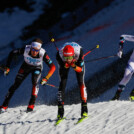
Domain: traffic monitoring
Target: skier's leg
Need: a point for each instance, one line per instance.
(127, 76)
(18, 80)
(63, 73)
(131, 97)
(36, 74)
(83, 92)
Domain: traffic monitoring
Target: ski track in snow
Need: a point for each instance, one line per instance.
(114, 117)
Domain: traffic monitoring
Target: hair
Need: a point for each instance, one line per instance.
(37, 40)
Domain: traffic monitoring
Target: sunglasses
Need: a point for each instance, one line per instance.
(35, 50)
(68, 58)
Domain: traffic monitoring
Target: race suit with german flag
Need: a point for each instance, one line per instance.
(33, 65)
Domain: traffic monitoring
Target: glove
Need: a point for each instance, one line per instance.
(119, 54)
(43, 81)
(66, 65)
(122, 40)
(73, 63)
(7, 70)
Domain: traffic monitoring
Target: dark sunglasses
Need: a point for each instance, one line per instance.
(35, 50)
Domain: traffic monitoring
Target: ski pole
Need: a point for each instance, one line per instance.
(53, 41)
(51, 85)
(101, 58)
(97, 46)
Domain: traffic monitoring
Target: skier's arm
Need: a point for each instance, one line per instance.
(12, 54)
(50, 64)
(128, 37)
(80, 63)
(122, 40)
(60, 61)
(120, 50)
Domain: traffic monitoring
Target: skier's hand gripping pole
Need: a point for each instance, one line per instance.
(6, 70)
(44, 82)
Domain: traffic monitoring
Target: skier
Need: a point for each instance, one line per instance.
(129, 69)
(71, 55)
(34, 55)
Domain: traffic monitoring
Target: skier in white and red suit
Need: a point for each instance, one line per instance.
(34, 55)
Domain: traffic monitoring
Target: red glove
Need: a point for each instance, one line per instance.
(66, 65)
(75, 67)
(73, 63)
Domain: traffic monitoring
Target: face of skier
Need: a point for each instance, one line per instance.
(69, 59)
(34, 52)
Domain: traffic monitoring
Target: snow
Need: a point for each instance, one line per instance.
(105, 117)
(13, 24)
(113, 117)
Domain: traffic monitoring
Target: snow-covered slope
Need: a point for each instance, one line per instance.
(11, 25)
(104, 118)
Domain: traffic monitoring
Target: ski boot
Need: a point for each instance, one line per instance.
(30, 108)
(131, 97)
(60, 112)
(3, 109)
(60, 115)
(117, 95)
(84, 110)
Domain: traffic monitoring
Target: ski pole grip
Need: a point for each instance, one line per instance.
(97, 46)
(52, 40)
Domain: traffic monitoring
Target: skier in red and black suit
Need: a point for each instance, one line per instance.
(71, 55)
(34, 56)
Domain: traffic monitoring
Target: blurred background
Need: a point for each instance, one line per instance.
(26, 19)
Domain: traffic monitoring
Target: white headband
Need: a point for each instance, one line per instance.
(36, 45)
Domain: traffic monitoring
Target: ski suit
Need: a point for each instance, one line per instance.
(63, 73)
(130, 66)
(33, 65)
